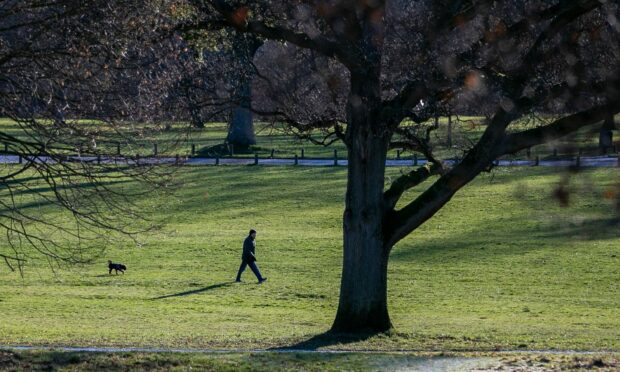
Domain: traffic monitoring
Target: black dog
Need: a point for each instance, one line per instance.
(116, 267)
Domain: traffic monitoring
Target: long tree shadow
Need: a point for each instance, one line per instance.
(326, 339)
(194, 291)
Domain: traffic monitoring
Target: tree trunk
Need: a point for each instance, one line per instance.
(194, 110)
(363, 288)
(449, 130)
(241, 132)
(605, 139)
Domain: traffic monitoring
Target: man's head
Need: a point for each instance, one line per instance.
(253, 233)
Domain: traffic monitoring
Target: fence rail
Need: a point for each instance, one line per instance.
(575, 156)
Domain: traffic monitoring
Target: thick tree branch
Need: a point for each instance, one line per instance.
(320, 44)
(399, 224)
(467, 10)
(559, 128)
(493, 143)
(408, 181)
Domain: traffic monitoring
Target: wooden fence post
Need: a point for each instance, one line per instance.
(255, 158)
(296, 161)
(335, 157)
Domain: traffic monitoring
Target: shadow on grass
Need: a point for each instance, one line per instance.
(194, 291)
(87, 361)
(327, 339)
(479, 244)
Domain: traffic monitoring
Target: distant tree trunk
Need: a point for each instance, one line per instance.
(449, 130)
(605, 138)
(241, 130)
(194, 110)
(197, 121)
(363, 289)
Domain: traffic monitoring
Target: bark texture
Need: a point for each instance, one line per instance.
(363, 289)
(241, 132)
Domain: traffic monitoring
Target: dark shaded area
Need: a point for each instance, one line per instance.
(47, 189)
(61, 360)
(327, 339)
(513, 242)
(221, 150)
(195, 291)
(8, 359)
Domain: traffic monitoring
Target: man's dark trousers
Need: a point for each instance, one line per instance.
(254, 268)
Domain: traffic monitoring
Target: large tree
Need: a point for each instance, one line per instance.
(405, 61)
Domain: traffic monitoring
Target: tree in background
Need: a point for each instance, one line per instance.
(219, 84)
(401, 63)
(61, 62)
(241, 128)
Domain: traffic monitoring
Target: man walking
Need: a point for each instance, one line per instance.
(249, 258)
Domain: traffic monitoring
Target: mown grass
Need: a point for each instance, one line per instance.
(502, 266)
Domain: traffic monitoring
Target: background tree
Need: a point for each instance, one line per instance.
(62, 62)
(241, 130)
(219, 84)
(403, 62)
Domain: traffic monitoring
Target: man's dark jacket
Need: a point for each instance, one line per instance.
(249, 246)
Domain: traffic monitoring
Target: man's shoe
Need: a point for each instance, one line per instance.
(262, 280)
(238, 281)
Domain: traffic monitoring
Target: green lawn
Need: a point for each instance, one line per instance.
(502, 266)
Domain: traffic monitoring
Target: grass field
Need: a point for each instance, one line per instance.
(502, 266)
